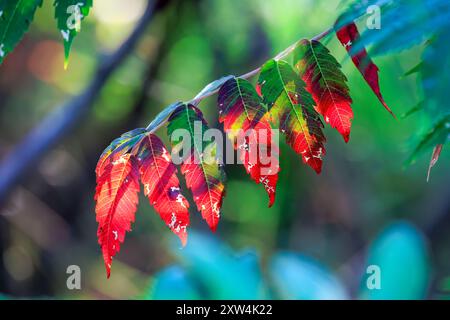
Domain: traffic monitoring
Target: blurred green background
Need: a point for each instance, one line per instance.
(316, 242)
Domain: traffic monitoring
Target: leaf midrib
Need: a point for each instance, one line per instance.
(325, 81)
(159, 173)
(292, 105)
(201, 162)
(9, 21)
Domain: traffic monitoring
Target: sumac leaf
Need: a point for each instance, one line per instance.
(347, 36)
(68, 14)
(247, 124)
(201, 169)
(15, 19)
(327, 84)
(117, 148)
(159, 177)
(292, 109)
(117, 198)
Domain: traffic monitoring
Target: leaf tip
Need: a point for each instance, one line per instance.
(183, 239)
(318, 169)
(271, 200)
(346, 137)
(108, 268)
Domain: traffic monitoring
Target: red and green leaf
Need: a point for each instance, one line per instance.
(292, 108)
(117, 148)
(159, 176)
(117, 198)
(204, 175)
(327, 84)
(247, 124)
(348, 35)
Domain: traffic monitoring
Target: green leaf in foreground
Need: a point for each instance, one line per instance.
(15, 18)
(68, 14)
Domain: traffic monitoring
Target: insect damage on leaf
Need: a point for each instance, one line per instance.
(327, 84)
(203, 174)
(136, 155)
(117, 198)
(247, 124)
(158, 175)
(292, 99)
(69, 14)
(292, 109)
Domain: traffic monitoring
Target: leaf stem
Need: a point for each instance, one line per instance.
(164, 114)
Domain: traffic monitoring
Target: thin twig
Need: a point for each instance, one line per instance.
(59, 122)
(154, 125)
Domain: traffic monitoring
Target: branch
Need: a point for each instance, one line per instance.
(59, 122)
(213, 87)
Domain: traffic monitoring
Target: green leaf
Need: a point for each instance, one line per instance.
(401, 254)
(413, 110)
(355, 9)
(417, 68)
(69, 14)
(292, 108)
(435, 75)
(438, 134)
(15, 19)
(405, 23)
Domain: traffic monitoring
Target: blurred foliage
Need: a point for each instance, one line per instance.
(49, 222)
(401, 253)
(299, 277)
(210, 270)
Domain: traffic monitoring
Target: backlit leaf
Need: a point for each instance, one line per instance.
(292, 109)
(201, 169)
(15, 19)
(69, 14)
(247, 124)
(159, 177)
(117, 198)
(327, 84)
(347, 36)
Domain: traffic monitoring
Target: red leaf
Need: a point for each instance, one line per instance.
(247, 124)
(207, 191)
(117, 198)
(161, 185)
(327, 84)
(348, 35)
